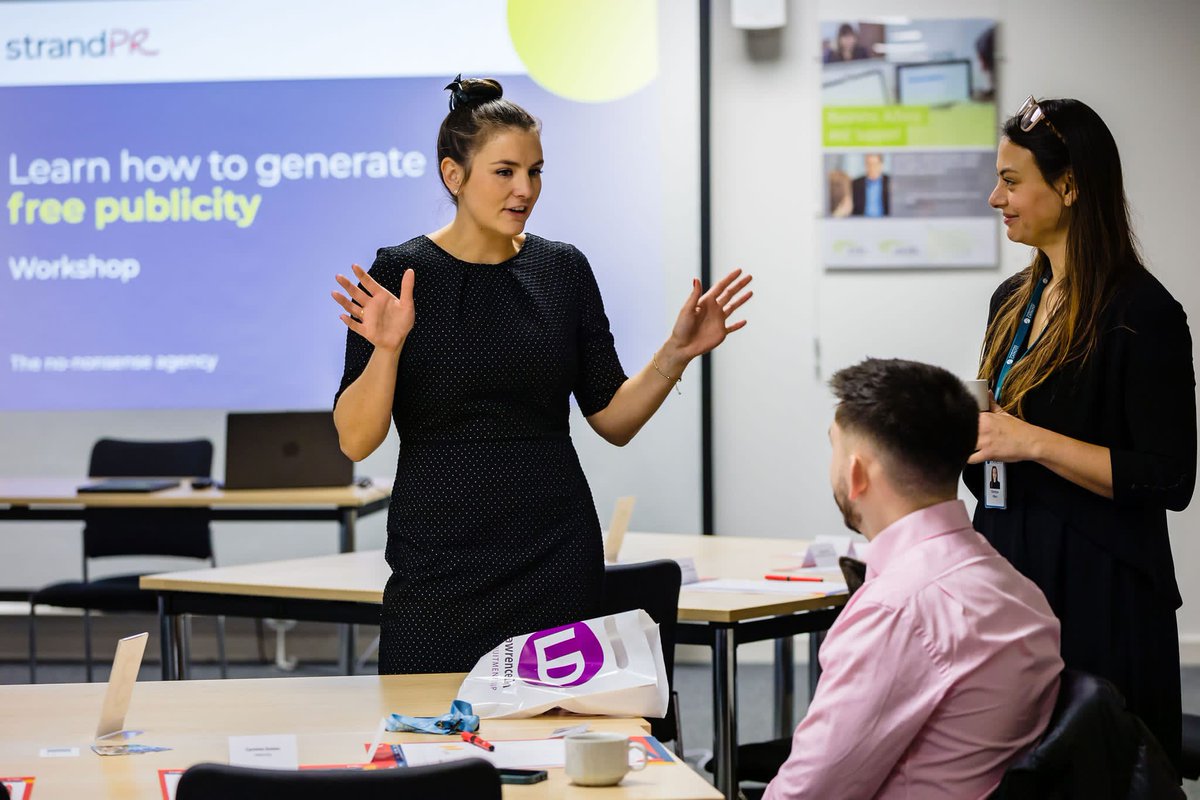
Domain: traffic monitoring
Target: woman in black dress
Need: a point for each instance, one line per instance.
(492, 531)
(1094, 434)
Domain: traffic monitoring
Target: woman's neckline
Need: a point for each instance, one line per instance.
(529, 237)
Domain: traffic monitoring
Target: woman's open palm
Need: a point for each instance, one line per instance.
(373, 312)
(703, 322)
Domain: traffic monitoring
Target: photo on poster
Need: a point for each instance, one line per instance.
(904, 183)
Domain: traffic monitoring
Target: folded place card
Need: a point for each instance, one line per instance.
(826, 549)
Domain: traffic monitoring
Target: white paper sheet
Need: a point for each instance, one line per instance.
(267, 752)
(744, 586)
(512, 754)
(171, 783)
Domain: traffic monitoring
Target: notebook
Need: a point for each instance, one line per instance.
(141, 485)
(284, 450)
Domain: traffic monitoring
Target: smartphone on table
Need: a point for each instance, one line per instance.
(522, 775)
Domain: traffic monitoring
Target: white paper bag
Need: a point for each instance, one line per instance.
(610, 665)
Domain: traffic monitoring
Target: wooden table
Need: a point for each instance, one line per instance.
(349, 588)
(47, 499)
(56, 499)
(332, 718)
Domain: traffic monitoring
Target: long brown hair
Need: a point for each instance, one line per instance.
(1101, 249)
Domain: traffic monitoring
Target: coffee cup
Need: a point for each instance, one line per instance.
(601, 759)
(979, 390)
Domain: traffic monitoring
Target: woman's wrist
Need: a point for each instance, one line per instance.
(671, 361)
(392, 353)
(1039, 444)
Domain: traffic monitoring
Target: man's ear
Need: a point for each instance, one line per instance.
(858, 479)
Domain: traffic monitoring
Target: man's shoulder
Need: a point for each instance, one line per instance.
(957, 588)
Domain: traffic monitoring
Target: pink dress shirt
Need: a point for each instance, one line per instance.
(940, 670)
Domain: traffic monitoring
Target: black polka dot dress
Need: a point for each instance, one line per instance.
(492, 530)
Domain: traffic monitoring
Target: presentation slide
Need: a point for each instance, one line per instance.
(182, 180)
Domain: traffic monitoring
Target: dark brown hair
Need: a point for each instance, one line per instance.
(1101, 249)
(920, 415)
(477, 111)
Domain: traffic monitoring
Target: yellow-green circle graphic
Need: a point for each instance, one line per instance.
(591, 51)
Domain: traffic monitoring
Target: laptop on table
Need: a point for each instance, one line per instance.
(284, 450)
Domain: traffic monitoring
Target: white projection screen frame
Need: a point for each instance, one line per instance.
(237, 79)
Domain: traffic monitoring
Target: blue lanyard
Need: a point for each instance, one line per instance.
(1022, 332)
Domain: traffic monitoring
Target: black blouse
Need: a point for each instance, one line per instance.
(1135, 395)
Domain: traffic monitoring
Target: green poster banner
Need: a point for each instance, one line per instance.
(958, 125)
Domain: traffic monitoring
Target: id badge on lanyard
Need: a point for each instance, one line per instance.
(995, 479)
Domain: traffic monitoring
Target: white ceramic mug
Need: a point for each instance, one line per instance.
(601, 759)
(979, 390)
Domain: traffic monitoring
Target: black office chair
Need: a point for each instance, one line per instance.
(1190, 764)
(107, 532)
(473, 778)
(652, 586)
(1093, 748)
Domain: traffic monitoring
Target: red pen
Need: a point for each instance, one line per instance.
(806, 578)
(477, 740)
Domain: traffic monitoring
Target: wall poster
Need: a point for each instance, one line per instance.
(909, 132)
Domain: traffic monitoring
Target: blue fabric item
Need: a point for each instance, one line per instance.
(1022, 332)
(874, 200)
(461, 718)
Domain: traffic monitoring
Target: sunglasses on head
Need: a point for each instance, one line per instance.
(1031, 114)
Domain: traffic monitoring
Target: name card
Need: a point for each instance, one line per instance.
(266, 752)
(826, 549)
(687, 570)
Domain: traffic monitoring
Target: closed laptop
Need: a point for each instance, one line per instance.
(284, 450)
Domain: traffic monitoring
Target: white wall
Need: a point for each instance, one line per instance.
(1136, 63)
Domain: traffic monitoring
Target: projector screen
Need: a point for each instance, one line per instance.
(122, 317)
(184, 179)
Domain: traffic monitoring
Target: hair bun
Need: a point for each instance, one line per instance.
(473, 91)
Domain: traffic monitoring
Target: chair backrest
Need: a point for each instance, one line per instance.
(151, 531)
(473, 778)
(854, 572)
(1092, 748)
(654, 587)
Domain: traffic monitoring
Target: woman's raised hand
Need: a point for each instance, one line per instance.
(373, 312)
(703, 322)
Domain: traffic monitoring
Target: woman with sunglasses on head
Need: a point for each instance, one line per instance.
(472, 339)
(1092, 431)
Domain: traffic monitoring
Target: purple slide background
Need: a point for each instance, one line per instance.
(259, 297)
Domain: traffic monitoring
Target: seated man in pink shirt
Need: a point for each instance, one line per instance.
(944, 666)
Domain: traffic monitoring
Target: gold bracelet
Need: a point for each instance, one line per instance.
(679, 380)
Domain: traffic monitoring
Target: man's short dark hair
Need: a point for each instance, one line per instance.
(921, 416)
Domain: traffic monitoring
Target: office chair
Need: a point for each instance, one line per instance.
(1092, 748)
(473, 778)
(1190, 764)
(652, 586)
(108, 532)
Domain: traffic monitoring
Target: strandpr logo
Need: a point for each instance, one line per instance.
(564, 656)
(105, 44)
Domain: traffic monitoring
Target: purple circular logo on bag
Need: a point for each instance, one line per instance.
(564, 656)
